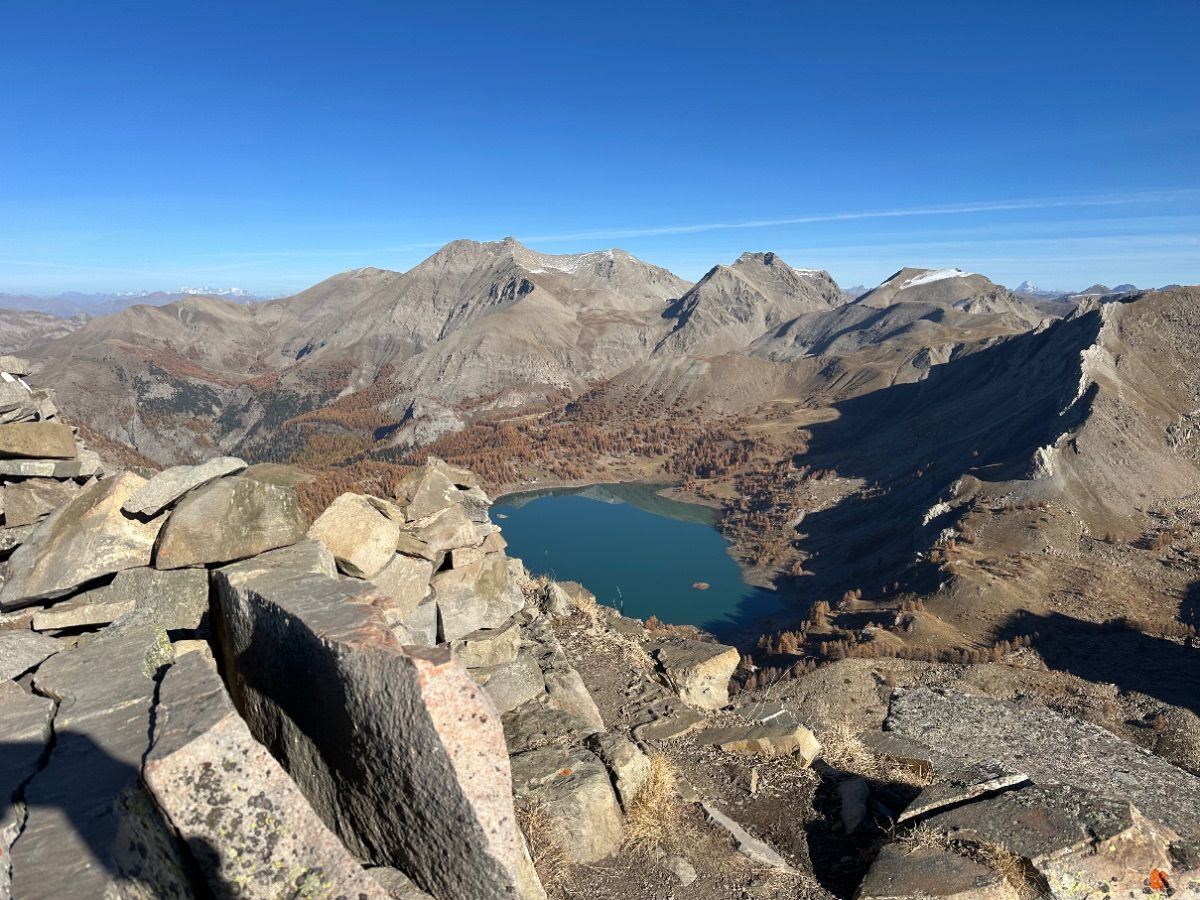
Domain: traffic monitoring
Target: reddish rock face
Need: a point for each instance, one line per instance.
(397, 749)
(229, 799)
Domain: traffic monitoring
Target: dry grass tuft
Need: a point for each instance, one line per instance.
(550, 858)
(1020, 875)
(842, 748)
(655, 823)
(922, 838)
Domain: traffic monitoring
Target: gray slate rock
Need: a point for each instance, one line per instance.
(902, 873)
(230, 519)
(41, 468)
(85, 540)
(25, 724)
(1048, 747)
(20, 651)
(510, 685)
(406, 581)
(92, 828)
(96, 607)
(421, 781)
(748, 845)
(15, 365)
(629, 766)
(1080, 843)
(960, 786)
(11, 538)
(488, 646)
(230, 800)
(174, 600)
(170, 484)
(479, 595)
(698, 671)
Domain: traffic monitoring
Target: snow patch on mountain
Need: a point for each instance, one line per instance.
(568, 263)
(934, 275)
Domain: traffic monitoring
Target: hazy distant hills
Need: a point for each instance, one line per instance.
(76, 304)
(479, 328)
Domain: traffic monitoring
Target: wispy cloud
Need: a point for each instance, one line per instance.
(938, 210)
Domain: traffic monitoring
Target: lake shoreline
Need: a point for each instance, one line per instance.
(663, 499)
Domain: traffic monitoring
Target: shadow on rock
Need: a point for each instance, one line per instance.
(1117, 653)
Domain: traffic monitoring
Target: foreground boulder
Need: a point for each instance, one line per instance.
(419, 781)
(1049, 748)
(85, 540)
(698, 671)
(170, 484)
(361, 538)
(241, 816)
(230, 519)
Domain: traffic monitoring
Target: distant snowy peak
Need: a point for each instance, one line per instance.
(214, 292)
(1028, 287)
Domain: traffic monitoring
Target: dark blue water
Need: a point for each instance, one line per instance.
(636, 551)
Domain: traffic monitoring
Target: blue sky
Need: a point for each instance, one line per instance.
(270, 144)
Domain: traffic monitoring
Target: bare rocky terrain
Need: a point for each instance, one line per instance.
(210, 693)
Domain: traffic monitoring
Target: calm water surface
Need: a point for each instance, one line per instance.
(636, 551)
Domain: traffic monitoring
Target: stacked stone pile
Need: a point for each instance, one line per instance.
(43, 463)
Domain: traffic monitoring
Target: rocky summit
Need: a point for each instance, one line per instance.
(207, 695)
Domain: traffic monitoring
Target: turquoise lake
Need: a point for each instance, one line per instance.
(636, 551)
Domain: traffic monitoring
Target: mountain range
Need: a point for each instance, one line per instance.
(484, 327)
(975, 460)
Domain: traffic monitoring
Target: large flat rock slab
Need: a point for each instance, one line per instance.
(230, 519)
(175, 600)
(1079, 843)
(92, 829)
(170, 484)
(903, 873)
(396, 748)
(961, 786)
(20, 651)
(1048, 747)
(37, 440)
(41, 468)
(241, 816)
(85, 540)
(25, 725)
